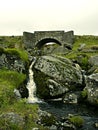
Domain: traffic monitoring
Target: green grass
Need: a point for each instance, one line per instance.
(87, 39)
(11, 41)
(82, 57)
(12, 77)
(9, 80)
(20, 53)
(28, 112)
(13, 45)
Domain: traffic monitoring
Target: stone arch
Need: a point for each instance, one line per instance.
(44, 41)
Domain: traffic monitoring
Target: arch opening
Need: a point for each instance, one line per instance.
(47, 41)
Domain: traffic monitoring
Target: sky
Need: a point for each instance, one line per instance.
(17, 16)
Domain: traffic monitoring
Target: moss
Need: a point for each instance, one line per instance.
(81, 58)
(84, 62)
(42, 89)
(19, 53)
(48, 120)
(84, 94)
(22, 54)
(78, 121)
(1, 50)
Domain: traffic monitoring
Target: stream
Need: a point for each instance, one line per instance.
(31, 86)
(61, 110)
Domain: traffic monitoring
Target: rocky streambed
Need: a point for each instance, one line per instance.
(70, 95)
(62, 112)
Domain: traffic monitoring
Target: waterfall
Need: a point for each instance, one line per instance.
(31, 86)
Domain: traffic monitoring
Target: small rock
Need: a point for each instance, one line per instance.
(53, 127)
(35, 128)
(17, 93)
(93, 61)
(71, 98)
(68, 126)
(96, 124)
(82, 46)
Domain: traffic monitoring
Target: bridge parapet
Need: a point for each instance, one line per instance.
(32, 40)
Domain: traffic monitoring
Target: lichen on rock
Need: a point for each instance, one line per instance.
(55, 76)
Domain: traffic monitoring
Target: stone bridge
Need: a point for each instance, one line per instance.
(39, 38)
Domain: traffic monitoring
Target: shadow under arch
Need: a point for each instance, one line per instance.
(42, 42)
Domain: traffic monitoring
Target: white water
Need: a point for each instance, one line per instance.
(31, 86)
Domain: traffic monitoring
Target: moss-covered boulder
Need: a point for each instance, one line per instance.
(90, 92)
(14, 59)
(55, 76)
(46, 118)
(11, 121)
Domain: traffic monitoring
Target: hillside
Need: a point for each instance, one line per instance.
(12, 46)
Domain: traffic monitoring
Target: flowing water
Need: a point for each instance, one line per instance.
(31, 86)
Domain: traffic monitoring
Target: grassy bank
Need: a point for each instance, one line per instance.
(90, 48)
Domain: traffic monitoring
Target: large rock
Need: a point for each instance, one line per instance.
(55, 76)
(91, 89)
(12, 62)
(12, 120)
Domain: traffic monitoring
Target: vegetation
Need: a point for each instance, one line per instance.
(14, 51)
(76, 120)
(84, 94)
(89, 40)
(48, 120)
(11, 41)
(27, 112)
(42, 90)
(13, 45)
(9, 80)
(82, 56)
